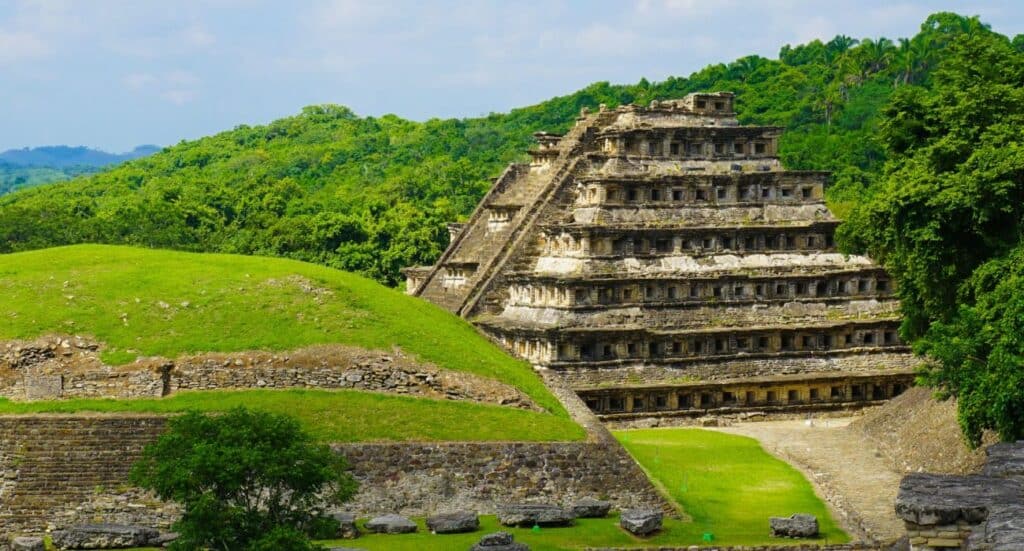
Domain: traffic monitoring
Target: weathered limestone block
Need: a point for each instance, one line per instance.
(799, 525)
(929, 499)
(1003, 531)
(499, 541)
(391, 524)
(453, 523)
(589, 507)
(1005, 460)
(25, 543)
(641, 522)
(346, 524)
(531, 514)
(103, 536)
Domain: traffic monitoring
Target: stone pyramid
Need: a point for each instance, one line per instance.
(663, 262)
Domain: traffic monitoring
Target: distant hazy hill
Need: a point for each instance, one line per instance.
(62, 156)
(29, 167)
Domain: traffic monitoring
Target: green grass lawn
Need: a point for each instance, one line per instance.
(347, 415)
(144, 302)
(727, 484)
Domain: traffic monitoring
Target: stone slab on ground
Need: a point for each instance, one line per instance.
(499, 541)
(797, 525)
(591, 508)
(27, 543)
(103, 536)
(453, 523)
(347, 528)
(391, 524)
(641, 522)
(530, 514)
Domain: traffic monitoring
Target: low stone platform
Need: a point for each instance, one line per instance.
(978, 512)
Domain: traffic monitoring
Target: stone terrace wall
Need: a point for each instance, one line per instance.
(418, 479)
(710, 371)
(70, 367)
(58, 470)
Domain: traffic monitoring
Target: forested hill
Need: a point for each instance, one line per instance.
(30, 167)
(372, 194)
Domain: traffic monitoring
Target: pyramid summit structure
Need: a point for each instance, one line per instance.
(663, 262)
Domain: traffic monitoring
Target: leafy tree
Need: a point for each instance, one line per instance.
(247, 480)
(947, 218)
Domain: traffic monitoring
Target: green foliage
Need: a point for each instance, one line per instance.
(142, 302)
(373, 194)
(726, 483)
(247, 480)
(348, 415)
(947, 217)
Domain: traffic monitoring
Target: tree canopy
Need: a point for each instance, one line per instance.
(946, 218)
(247, 480)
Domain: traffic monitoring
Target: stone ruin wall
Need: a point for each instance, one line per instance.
(747, 368)
(70, 367)
(61, 470)
(977, 512)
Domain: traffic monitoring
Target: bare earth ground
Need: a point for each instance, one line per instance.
(846, 468)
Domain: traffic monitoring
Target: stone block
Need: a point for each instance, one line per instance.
(346, 524)
(944, 542)
(103, 536)
(391, 524)
(798, 525)
(453, 523)
(25, 543)
(530, 514)
(591, 508)
(499, 541)
(932, 500)
(641, 522)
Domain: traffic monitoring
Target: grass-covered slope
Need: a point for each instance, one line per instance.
(373, 194)
(143, 302)
(347, 415)
(728, 484)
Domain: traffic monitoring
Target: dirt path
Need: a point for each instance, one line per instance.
(846, 469)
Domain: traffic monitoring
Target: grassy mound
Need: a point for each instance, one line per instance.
(728, 484)
(347, 415)
(143, 302)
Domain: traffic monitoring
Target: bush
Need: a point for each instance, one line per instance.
(246, 479)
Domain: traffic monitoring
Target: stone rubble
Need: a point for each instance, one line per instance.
(525, 515)
(641, 522)
(797, 525)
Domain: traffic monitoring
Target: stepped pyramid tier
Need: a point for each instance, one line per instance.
(664, 262)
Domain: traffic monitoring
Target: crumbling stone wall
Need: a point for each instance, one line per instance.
(747, 368)
(982, 512)
(71, 367)
(65, 469)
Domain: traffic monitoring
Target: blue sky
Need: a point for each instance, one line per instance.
(114, 74)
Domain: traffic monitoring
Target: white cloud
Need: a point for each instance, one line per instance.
(17, 46)
(177, 87)
(195, 36)
(179, 97)
(138, 81)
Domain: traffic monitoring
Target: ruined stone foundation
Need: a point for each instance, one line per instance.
(663, 262)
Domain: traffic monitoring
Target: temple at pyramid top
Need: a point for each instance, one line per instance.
(666, 243)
